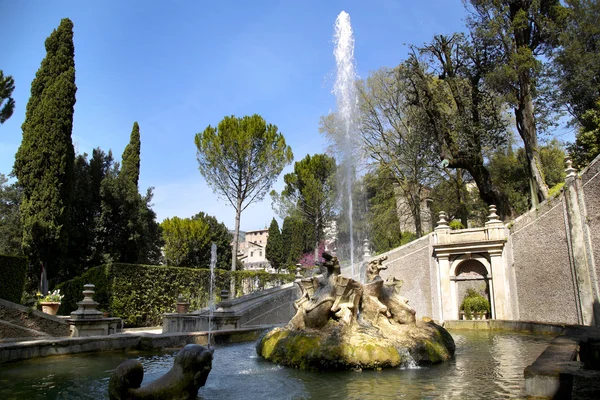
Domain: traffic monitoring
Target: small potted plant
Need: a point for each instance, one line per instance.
(51, 301)
(183, 305)
(474, 306)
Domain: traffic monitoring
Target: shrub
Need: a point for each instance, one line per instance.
(13, 270)
(140, 294)
(456, 224)
(474, 303)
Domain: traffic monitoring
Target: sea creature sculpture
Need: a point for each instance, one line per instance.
(189, 373)
(341, 323)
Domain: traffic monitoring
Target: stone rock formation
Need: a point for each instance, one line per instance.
(343, 324)
(189, 373)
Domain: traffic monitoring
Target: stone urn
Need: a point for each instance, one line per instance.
(50, 307)
(183, 305)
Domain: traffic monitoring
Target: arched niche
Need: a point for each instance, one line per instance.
(472, 271)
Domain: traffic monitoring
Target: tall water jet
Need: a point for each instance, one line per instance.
(211, 298)
(345, 93)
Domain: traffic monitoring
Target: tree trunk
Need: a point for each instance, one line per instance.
(463, 212)
(317, 241)
(526, 127)
(416, 211)
(236, 236)
(488, 191)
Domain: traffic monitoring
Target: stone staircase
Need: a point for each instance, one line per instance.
(266, 307)
(20, 322)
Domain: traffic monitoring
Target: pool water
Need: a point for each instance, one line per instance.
(486, 365)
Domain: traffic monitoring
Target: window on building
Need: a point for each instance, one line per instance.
(260, 253)
(251, 254)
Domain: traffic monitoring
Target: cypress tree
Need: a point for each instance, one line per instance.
(130, 168)
(274, 248)
(44, 161)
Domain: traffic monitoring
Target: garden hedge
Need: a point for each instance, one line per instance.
(140, 294)
(13, 270)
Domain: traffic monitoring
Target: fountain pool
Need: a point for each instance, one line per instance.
(486, 365)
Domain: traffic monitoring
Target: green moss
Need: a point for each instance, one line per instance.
(436, 352)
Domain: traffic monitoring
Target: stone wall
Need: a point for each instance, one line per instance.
(412, 264)
(590, 179)
(540, 257)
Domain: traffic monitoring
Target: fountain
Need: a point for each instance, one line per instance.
(346, 98)
(211, 298)
(343, 324)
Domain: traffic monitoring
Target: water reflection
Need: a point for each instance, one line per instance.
(486, 365)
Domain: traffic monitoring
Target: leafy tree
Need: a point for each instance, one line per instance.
(587, 143)
(84, 245)
(391, 135)
(126, 225)
(383, 213)
(184, 240)
(130, 168)
(309, 193)
(508, 168)
(11, 229)
(241, 159)
(220, 235)
(7, 85)
(44, 161)
(297, 240)
(515, 34)
(577, 60)
(459, 111)
(274, 248)
(552, 156)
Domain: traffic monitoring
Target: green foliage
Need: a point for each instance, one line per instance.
(587, 142)
(11, 229)
(382, 212)
(298, 239)
(459, 110)
(274, 248)
(456, 224)
(577, 59)
(391, 134)
(126, 226)
(13, 270)
(53, 296)
(515, 35)
(130, 166)
(241, 159)
(309, 193)
(508, 169)
(220, 235)
(555, 190)
(474, 302)
(188, 241)
(140, 294)
(7, 85)
(44, 161)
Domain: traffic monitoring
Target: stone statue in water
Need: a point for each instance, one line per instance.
(189, 373)
(343, 324)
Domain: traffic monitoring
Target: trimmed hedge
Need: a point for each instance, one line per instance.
(140, 294)
(13, 270)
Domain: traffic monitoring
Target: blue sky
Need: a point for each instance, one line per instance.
(178, 66)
